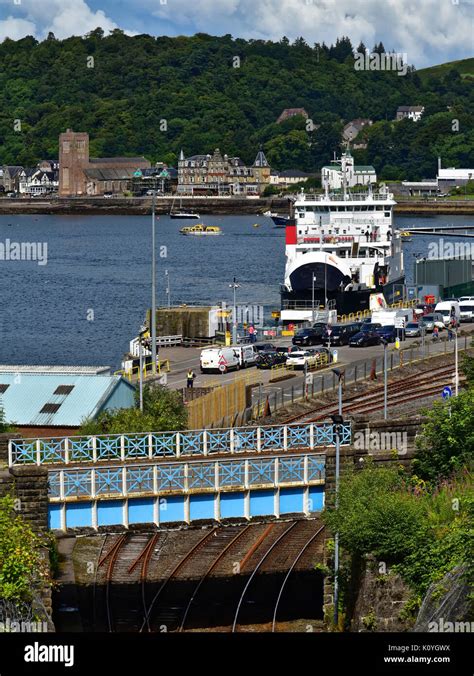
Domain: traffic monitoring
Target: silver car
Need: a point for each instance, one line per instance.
(412, 330)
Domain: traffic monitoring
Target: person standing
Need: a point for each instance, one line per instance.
(367, 235)
(190, 379)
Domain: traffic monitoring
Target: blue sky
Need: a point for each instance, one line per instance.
(428, 31)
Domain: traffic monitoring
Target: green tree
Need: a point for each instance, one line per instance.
(163, 410)
(446, 443)
(23, 569)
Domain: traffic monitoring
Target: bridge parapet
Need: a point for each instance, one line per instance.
(173, 445)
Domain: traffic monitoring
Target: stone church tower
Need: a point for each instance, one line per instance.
(73, 159)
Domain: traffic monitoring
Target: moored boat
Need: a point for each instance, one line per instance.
(200, 229)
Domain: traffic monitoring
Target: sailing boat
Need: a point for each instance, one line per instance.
(181, 213)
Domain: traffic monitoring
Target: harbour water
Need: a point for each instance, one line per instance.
(86, 303)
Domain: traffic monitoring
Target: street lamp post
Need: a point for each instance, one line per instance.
(234, 286)
(337, 420)
(385, 378)
(312, 298)
(168, 292)
(456, 363)
(143, 330)
(153, 286)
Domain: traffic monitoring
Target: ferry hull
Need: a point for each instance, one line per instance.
(327, 277)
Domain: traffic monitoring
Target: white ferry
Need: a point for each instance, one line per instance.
(340, 248)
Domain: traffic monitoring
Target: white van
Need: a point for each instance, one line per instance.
(214, 357)
(466, 309)
(449, 309)
(246, 354)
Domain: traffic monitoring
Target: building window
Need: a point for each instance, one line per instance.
(66, 177)
(64, 389)
(50, 408)
(66, 146)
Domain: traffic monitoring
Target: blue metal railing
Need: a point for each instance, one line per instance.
(97, 483)
(159, 445)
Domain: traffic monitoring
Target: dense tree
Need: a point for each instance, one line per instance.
(209, 98)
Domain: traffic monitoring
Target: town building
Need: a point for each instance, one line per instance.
(219, 174)
(55, 400)
(355, 174)
(291, 112)
(451, 178)
(352, 130)
(409, 112)
(81, 175)
(160, 178)
(289, 177)
(10, 178)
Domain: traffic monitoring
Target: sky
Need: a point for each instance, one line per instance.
(427, 31)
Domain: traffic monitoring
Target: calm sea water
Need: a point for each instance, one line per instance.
(85, 305)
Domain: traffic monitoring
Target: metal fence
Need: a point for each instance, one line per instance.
(185, 477)
(152, 446)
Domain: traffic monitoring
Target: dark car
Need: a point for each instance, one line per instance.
(308, 337)
(264, 347)
(340, 333)
(390, 333)
(267, 359)
(323, 354)
(368, 336)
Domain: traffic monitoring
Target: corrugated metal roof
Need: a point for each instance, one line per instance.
(41, 368)
(28, 393)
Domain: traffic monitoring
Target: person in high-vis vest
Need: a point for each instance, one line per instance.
(190, 378)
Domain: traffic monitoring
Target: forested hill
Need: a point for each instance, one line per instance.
(153, 96)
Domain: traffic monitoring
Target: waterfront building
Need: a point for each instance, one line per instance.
(10, 177)
(332, 175)
(219, 174)
(289, 177)
(451, 178)
(80, 175)
(55, 400)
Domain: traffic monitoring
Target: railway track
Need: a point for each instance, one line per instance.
(281, 552)
(418, 387)
(224, 558)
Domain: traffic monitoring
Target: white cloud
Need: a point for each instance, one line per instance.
(14, 28)
(63, 17)
(424, 29)
(429, 31)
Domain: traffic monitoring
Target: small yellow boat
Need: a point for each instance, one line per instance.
(201, 229)
(256, 225)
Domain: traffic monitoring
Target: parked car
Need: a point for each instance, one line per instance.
(435, 318)
(466, 310)
(413, 330)
(323, 355)
(267, 359)
(264, 347)
(367, 336)
(390, 333)
(340, 333)
(308, 337)
(108, 195)
(298, 358)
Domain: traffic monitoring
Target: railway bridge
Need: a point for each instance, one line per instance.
(182, 477)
